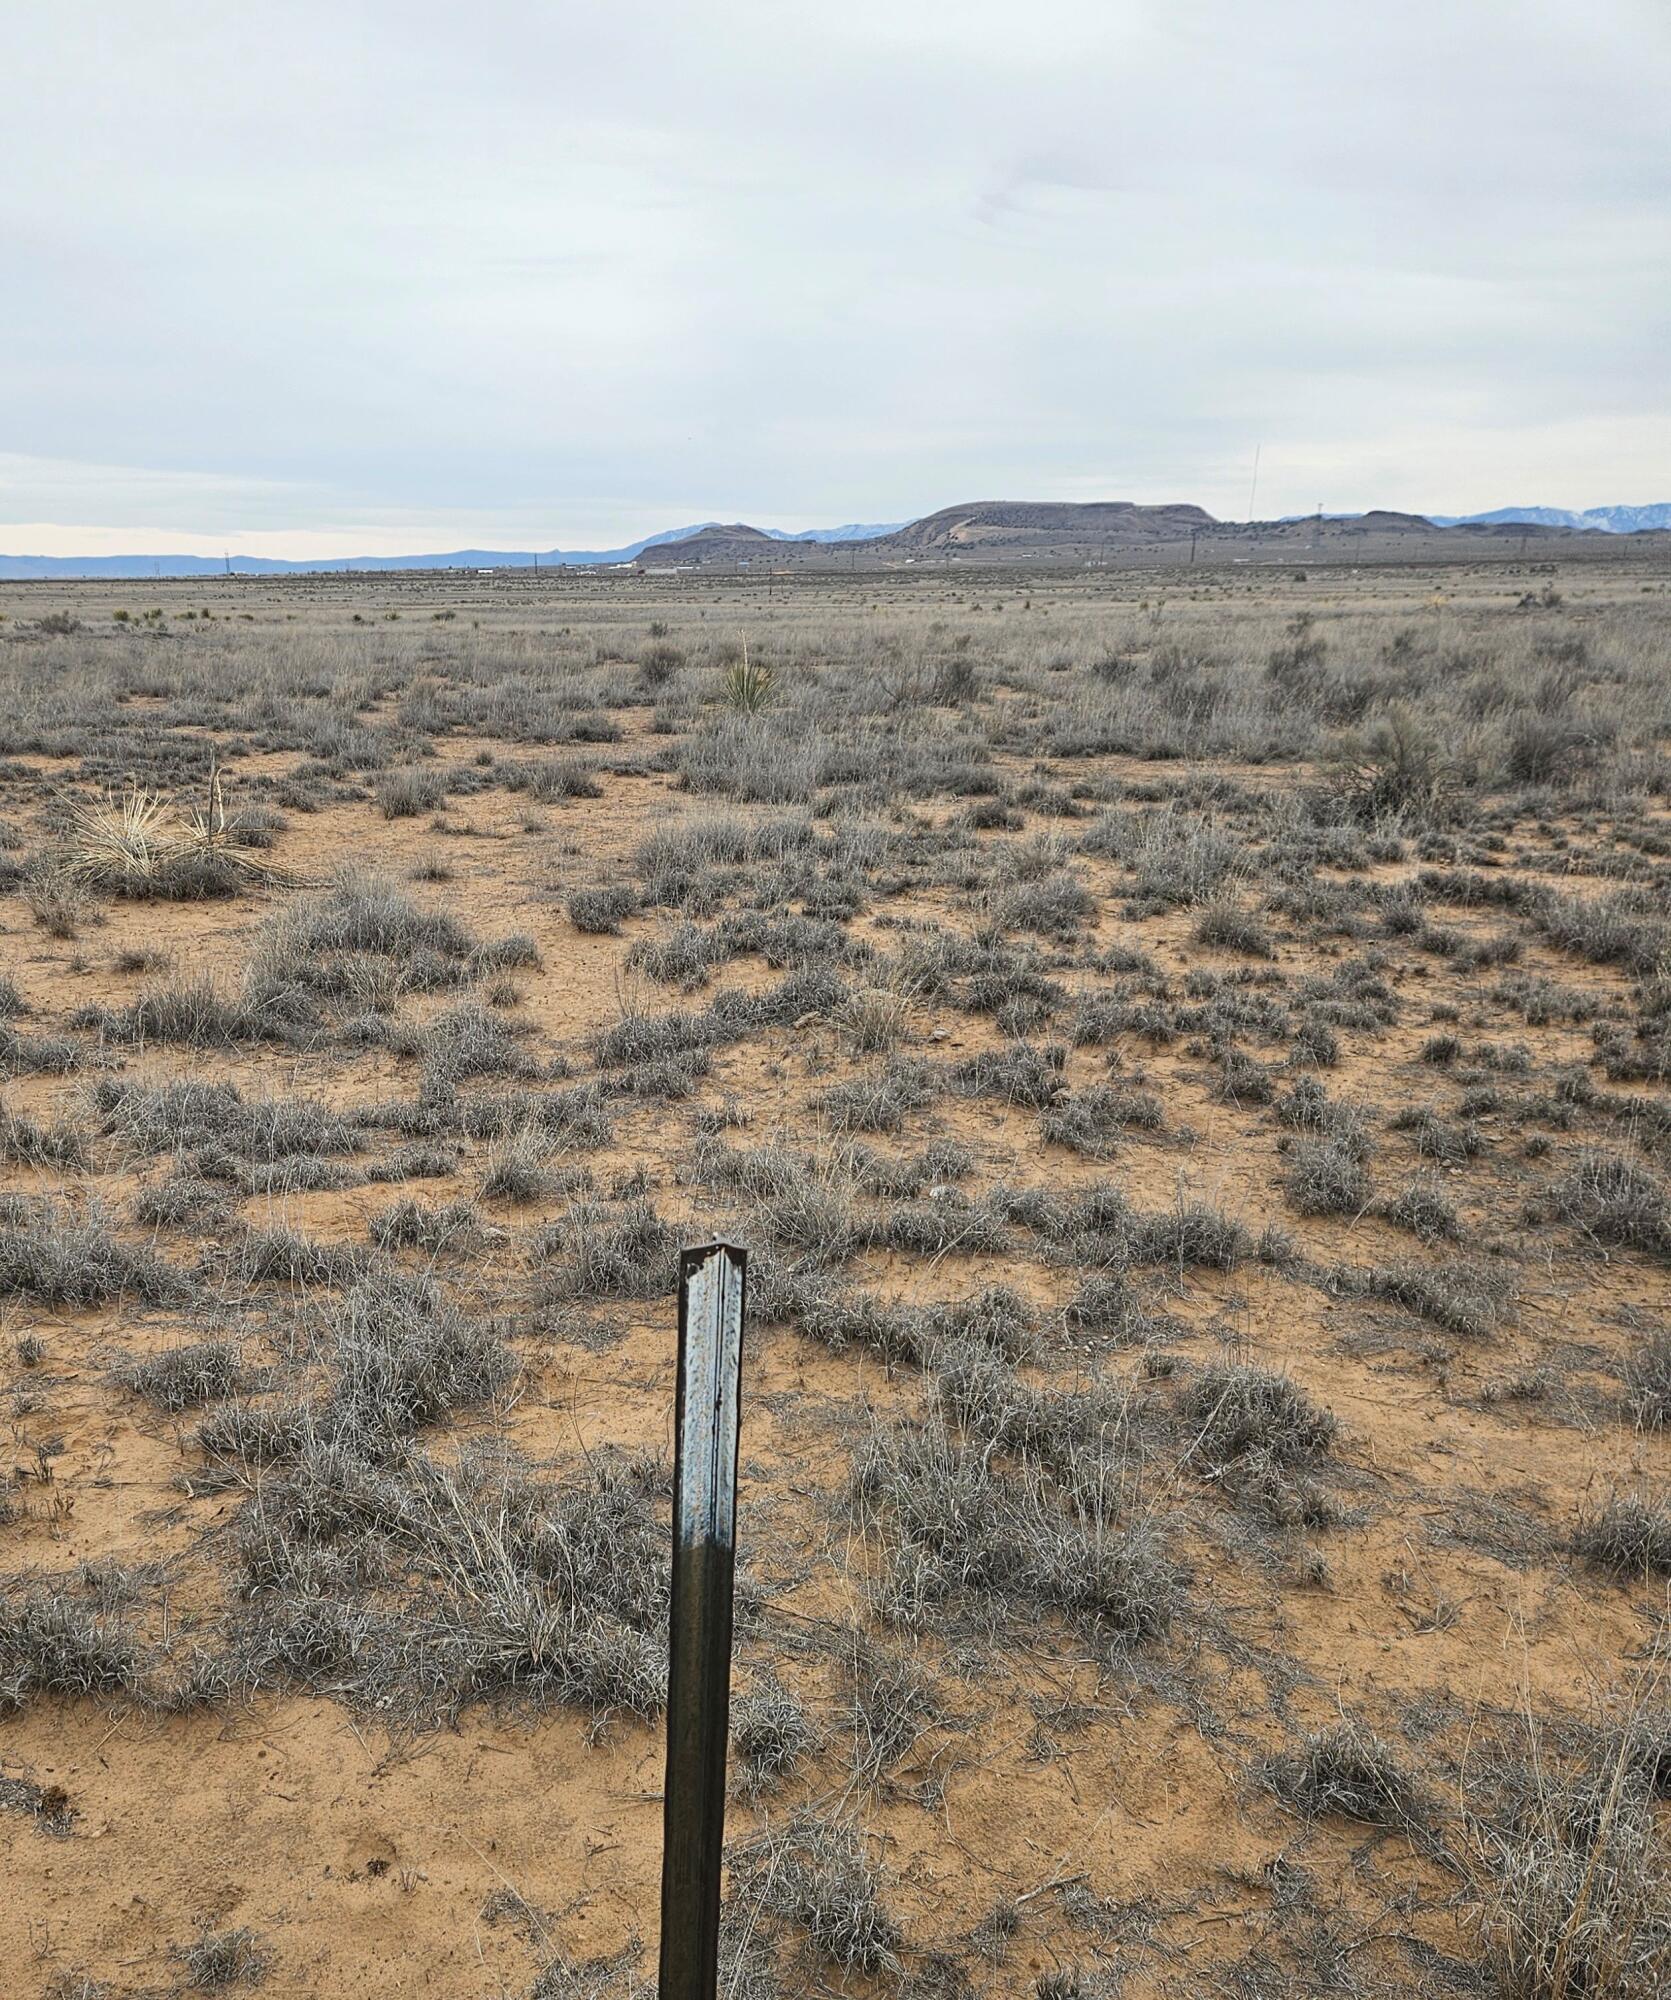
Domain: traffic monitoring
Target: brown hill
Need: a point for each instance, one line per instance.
(1385, 521)
(723, 542)
(1060, 527)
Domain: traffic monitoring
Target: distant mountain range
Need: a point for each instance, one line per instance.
(855, 531)
(1610, 520)
(1009, 530)
(21, 568)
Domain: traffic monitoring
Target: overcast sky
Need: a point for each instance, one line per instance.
(373, 277)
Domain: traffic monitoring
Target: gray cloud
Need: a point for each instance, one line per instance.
(398, 276)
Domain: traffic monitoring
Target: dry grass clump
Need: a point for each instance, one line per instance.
(955, 1527)
(1614, 1201)
(1091, 1429)
(191, 1013)
(880, 1102)
(75, 1985)
(412, 1586)
(1233, 1412)
(330, 945)
(1648, 1381)
(1346, 1770)
(747, 756)
(874, 1019)
(1569, 1875)
(219, 1959)
(639, 1037)
(772, 1734)
(1225, 925)
(1327, 1178)
(818, 1874)
(464, 1042)
(1020, 1073)
(684, 955)
(802, 1202)
(947, 1221)
(411, 1225)
(599, 912)
(25, 1142)
(573, 1118)
(52, 1645)
(519, 1166)
(1464, 1299)
(1242, 1079)
(1259, 1437)
(1192, 1233)
(60, 905)
(1630, 1534)
(1426, 1210)
(405, 794)
(610, 1251)
(403, 1357)
(182, 1199)
(1307, 1108)
(362, 943)
(552, 779)
(983, 976)
(288, 1257)
(200, 1371)
(1091, 1121)
(1105, 1306)
(1056, 906)
(891, 1176)
(1177, 859)
(892, 1700)
(995, 1320)
(37, 1055)
(835, 1315)
(56, 1257)
(202, 1116)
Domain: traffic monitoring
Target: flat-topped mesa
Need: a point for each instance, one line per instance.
(1053, 524)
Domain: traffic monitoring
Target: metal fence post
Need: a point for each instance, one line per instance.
(711, 1285)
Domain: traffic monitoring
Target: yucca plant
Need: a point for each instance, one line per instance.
(146, 844)
(750, 687)
(117, 844)
(207, 829)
